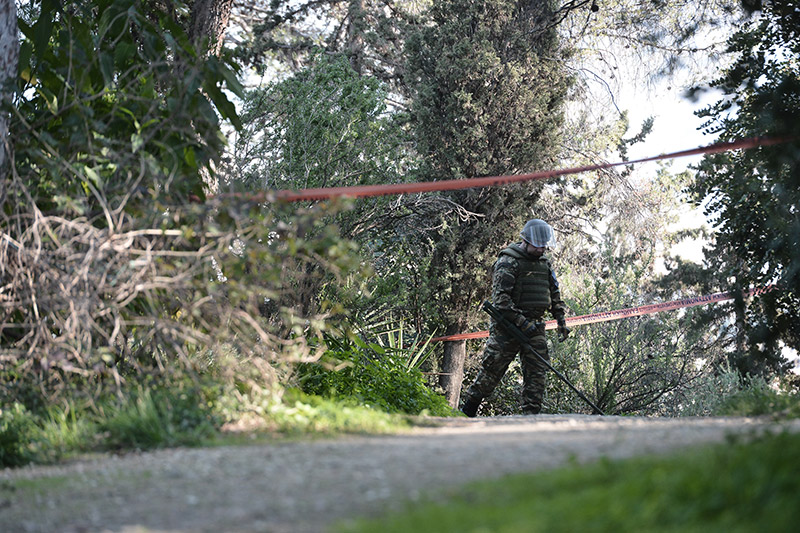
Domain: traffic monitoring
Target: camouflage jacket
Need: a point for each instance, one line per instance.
(524, 287)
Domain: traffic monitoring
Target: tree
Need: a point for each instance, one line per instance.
(636, 365)
(370, 33)
(325, 126)
(9, 52)
(488, 83)
(208, 22)
(753, 196)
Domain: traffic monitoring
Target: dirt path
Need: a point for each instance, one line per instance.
(302, 487)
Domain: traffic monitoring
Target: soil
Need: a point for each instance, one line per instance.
(311, 485)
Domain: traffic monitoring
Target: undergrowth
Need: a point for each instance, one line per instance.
(159, 418)
(360, 373)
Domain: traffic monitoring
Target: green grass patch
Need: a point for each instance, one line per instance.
(735, 487)
(142, 419)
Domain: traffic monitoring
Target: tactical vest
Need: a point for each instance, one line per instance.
(532, 286)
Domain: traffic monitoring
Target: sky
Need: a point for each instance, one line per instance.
(676, 128)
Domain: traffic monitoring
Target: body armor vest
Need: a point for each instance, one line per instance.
(532, 286)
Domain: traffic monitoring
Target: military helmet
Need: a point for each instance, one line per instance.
(539, 233)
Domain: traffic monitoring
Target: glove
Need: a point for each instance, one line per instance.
(529, 328)
(563, 330)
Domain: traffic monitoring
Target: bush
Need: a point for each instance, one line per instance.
(17, 429)
(728, 393)
(369, 375)
(757, 397)
(705, 396)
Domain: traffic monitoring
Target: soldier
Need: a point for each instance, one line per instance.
(523, 288)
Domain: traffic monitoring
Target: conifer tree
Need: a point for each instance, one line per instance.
(752, 195)
(488, 82)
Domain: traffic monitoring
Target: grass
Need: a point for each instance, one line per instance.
(300, 415)
(736, 487)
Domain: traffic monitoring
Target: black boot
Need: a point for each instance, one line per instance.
(470, 407)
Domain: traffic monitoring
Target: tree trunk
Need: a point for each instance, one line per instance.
(9, 56)
(455, 355)
(209, 20)
(355, 35)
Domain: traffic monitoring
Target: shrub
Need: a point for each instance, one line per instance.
(370, 375)
(16, 433)
(728, 393)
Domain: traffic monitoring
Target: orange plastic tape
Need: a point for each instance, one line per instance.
(361, 191)
(619, 314)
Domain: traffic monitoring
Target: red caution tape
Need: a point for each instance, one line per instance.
(619, 314)
(362, 191)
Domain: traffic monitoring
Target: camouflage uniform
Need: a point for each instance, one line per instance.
(523, 288)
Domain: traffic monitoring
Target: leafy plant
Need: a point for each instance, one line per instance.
(116, 266)
(755, 396)
(395, 340)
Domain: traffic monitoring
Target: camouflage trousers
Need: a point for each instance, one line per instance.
(501, 349)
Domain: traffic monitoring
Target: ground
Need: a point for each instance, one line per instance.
(310, 485)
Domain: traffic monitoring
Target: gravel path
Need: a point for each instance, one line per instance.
(306, 486)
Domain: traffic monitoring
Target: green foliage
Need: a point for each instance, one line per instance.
(118, 271)
(725, 392)
(370, 374)
(395, 339)
(168, 415)
(326, 126)
(112, 268)
(757, 397)
(708, 392)
(120, 108)
(116, 124)
(486, 99)
(286, 35)
(753, 195)
(636, 365)
(178, 413)
(739, 486)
